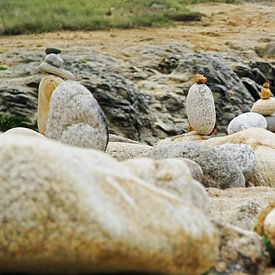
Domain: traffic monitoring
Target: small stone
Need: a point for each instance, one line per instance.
(200, 107)
(44, 67)
(46, 88)
(76, 118)
(54, 59)
(245, 121)
(52, 50)
(242, 154)
(264, 106)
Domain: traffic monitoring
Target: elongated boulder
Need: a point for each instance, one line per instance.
(200, 107)
(172, 175)
(76, 118)
(246, 121)
(219, 169)
(46, 87)
(68, 209)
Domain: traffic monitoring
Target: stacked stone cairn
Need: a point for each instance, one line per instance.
(67, 111)
(266, 106)
(200, 107)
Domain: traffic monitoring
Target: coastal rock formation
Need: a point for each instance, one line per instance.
(76, 118)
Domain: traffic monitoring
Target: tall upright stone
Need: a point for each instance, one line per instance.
(200, 107)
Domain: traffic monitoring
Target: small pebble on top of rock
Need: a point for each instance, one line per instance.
(200, 107)
(266, 105)
(53, 64)
(52, 50)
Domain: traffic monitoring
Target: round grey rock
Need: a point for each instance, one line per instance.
(245, 121)
(54, 59)
(242, 154)
(52, 50)
(44, 67)
(76, 118)
(219, 170)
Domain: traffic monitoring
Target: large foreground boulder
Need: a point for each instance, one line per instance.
(68, 209)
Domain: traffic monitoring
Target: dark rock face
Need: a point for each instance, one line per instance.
(143, 100)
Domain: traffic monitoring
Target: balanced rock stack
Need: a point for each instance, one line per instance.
(266, 106)
(200, 107)
(53, 64)
(67, 111)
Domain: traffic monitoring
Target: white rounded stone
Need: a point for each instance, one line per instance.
(245, 121)
(200, 109)
(54, 59)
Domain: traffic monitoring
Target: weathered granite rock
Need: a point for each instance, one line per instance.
(245, 121)
(124, 150)
(239, 206)
(264, 107)
(200, 108)
(50, 69)
(23, 131)
(242, 154)
(172, 175)
(240, 251)
(263, 145)
(54, 59)
(76, 118)
(219, 170)
(46, 87)
(68, 209)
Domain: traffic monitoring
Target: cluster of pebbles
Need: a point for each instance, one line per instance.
(53, 63)
(262, 114)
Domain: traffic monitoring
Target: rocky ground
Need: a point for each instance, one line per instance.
(141, 78)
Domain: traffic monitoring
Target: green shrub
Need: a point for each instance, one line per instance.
(11, 121)
(270, 249)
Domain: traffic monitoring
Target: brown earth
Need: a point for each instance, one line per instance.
(225, 27)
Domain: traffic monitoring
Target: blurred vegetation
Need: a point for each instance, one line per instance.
(270, 249)
(31, 16)
(11, 121)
